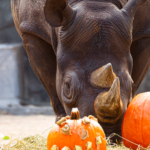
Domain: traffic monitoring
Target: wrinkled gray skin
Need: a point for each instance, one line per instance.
(65, 45)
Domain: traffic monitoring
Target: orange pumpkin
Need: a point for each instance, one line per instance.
(76, 134)
(136, 122)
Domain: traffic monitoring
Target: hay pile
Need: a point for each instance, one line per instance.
(29, 143)
(40, 143)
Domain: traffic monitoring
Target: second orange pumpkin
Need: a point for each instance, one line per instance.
(136, 123)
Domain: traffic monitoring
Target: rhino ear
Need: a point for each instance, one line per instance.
(58, 12)
(131, 7)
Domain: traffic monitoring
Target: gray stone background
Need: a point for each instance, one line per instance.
(23, 78)
(32, 91)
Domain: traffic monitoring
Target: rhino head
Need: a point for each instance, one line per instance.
(94, 63)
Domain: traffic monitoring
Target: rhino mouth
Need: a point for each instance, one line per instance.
(112, 131)
(106, 119)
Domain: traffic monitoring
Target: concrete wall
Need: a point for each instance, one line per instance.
(31, 90)
(145, 85)
(8, 32)
(34, 92)
(11, 73)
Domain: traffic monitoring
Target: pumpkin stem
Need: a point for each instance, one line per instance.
(75, 115)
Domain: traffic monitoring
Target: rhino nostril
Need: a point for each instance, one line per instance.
(68, 85)
(71, 89)
(67, 88)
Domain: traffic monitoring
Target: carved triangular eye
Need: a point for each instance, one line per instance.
(103, 77)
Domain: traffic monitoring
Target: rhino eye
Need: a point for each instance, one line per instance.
(67, 89)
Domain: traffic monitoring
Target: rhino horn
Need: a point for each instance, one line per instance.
(108, 105)
(103, 77)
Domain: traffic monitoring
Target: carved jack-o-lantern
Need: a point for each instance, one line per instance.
(72, 133)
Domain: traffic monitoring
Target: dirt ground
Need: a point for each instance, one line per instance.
(23, 126)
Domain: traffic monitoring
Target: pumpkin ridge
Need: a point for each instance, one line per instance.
(93, 128)
(142, 120)
(132, 112)
(126, 121)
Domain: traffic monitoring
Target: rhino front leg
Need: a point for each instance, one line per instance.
(43, 63)
(140, 51)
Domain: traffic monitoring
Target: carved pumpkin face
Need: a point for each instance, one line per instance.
(76, 134)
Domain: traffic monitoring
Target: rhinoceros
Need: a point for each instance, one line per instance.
(89, 54)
